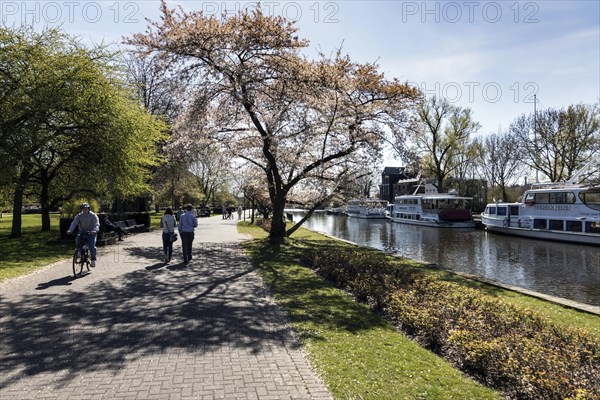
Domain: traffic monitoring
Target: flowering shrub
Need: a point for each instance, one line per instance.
(508, 347)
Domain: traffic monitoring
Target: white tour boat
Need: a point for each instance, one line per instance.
(366, 208)
(560, 211)
(441, 210)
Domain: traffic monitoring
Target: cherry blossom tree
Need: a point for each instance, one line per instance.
(306, 124)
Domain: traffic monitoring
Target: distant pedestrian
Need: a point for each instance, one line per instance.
(179, 213)
(224, 213)
(240, 211)
(187, 224)
(168, 224)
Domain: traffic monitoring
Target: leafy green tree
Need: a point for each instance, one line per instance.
(67, 122)
(557, 142)
(442, 134)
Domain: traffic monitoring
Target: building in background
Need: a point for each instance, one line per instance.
(395, 182)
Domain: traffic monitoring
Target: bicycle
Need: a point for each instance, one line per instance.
(81, 257)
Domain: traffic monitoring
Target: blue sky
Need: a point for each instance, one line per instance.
(490, 56)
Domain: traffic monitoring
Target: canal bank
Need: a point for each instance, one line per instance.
(549, 270)
(557, 300)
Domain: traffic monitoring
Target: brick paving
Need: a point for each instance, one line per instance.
(135, 328)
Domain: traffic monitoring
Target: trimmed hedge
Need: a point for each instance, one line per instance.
(507, 347)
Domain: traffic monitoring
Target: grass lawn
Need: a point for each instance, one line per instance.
(31, 251)
(357, 353)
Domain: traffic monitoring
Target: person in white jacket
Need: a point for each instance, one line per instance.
(168, 224)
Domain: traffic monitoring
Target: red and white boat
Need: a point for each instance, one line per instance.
(440, 210)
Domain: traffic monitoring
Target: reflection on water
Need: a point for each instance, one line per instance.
(558, 269)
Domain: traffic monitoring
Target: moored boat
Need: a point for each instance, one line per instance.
(440, 210)
(336, 211)
(560, 211)
(366, 208)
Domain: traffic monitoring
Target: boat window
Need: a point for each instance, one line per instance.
(556, 224)
(562, 198)
(542, 198)
(591, 198)
(502, 210)
(529, 198)
(592, 227)
(539, 224)
(491, 210)
(514, 210)
(574, 226)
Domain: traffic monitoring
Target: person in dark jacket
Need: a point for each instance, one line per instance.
(110, 227)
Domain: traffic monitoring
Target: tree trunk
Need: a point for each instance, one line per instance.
(504, 194)
(18, 204)
(44, 200)
(440, 184)
(278, 229)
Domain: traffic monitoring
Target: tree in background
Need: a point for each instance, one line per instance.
(160, 91)
(260, 100)
(440, 135)
(499, 158)
(209, 165)
(67, 122)
(557, 142)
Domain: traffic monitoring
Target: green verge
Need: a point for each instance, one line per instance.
(23, 255)
(358, 354)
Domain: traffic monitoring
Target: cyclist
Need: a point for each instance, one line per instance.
(89, 224)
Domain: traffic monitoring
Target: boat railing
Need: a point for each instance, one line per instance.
(559, 185)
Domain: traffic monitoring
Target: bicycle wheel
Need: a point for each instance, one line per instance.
(86, 259)
(77, 264)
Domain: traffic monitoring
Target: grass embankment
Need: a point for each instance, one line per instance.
(359, 354)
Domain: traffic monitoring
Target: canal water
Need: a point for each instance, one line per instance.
(558, 269)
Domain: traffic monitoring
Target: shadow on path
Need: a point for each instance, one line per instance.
(64, 281)
(213, 301)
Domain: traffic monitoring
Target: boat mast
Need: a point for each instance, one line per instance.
(579, 172)
(537, 180)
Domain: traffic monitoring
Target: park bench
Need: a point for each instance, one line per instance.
(123, 225)
(134, 226)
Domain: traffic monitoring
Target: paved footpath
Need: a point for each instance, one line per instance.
(135, 328)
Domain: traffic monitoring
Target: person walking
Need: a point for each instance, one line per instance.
(187, 224)
(168, 224)
(240, 210)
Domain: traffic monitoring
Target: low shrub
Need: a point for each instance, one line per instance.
(507, 347)
(264, 223)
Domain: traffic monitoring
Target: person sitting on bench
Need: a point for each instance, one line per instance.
(109, 226)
